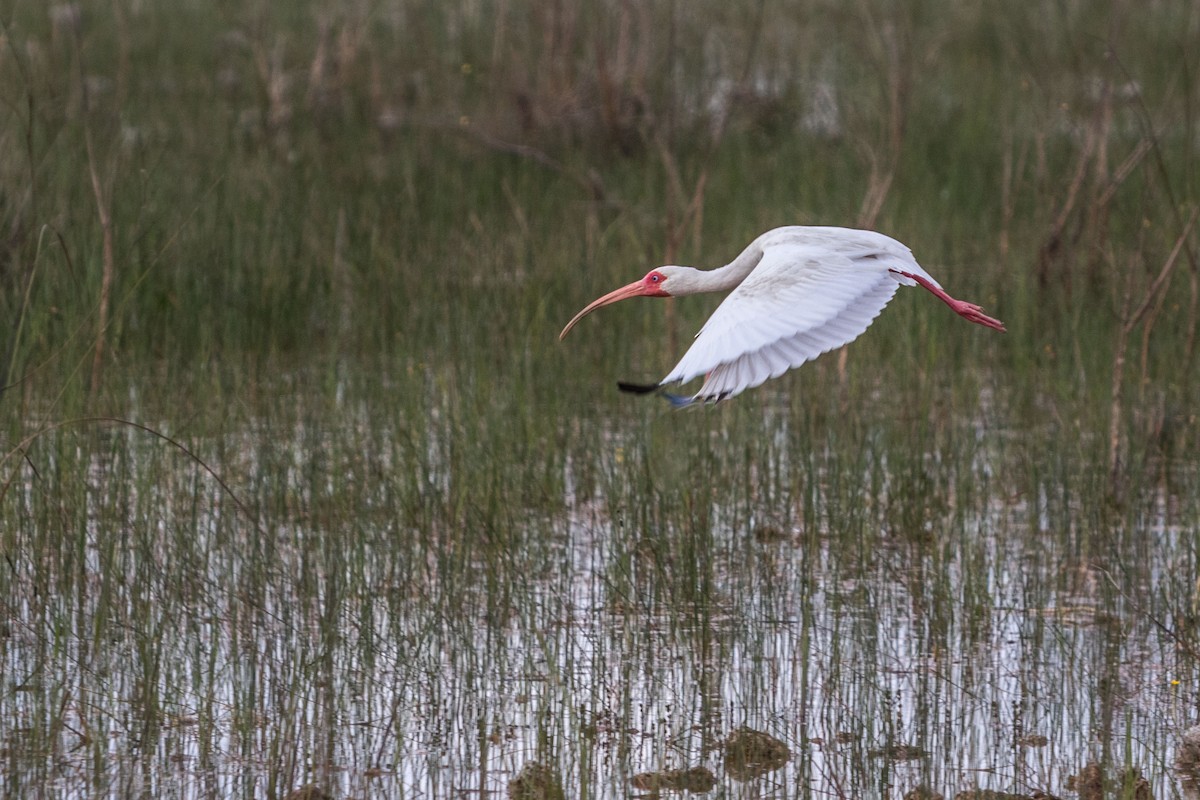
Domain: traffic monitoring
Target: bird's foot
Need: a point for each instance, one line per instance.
(975, 314)
(961, 307)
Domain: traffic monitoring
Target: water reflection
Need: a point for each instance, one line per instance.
(583, 653)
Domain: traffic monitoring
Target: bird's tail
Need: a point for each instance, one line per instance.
(676, 400)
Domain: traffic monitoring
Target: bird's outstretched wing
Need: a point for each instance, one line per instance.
(800, 301)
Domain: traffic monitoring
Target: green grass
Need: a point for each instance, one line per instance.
(381, 531)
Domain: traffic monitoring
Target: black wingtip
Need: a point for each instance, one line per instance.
(676, 400)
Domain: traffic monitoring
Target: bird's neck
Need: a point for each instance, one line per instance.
(689, 280)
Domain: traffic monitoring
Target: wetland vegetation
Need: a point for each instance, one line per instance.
(299, 487)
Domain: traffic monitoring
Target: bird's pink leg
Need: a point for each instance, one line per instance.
(964, 309)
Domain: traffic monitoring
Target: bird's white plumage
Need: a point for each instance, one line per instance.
(794, 293)
(811, 290)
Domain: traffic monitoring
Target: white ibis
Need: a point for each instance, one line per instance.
(797, 292)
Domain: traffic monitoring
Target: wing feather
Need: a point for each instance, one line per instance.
(798, 302)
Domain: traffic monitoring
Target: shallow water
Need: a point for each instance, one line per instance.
(895, 626)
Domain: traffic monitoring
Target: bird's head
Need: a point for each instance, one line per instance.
(653, 285)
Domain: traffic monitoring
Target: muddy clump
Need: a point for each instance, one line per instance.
(1187, 763)
(1092, 784)
(309, 791)
(770, 534)
(696, 780)
(750, 753)
(536, 781)
(898, 752)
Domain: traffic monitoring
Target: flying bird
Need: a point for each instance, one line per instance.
(798, 292)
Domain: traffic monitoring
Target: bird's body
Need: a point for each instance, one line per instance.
(797, 292)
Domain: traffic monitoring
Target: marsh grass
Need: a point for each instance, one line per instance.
(386, 535)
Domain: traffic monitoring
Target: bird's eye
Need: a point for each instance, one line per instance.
(655, 278)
